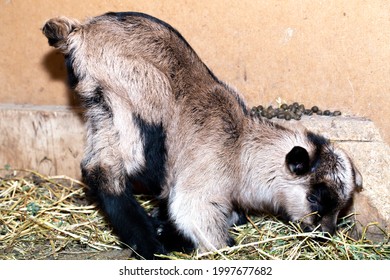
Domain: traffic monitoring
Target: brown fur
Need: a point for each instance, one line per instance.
(217, 158)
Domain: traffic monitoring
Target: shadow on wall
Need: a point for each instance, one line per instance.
(54, 63)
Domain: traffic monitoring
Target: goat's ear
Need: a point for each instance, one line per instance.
(298, 161)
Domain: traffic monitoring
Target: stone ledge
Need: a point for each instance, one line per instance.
(339, 129)
(50, 140)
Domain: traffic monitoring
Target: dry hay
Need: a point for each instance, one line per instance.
(49, 217)
(42, 216)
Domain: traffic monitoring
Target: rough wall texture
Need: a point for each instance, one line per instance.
(332, 53)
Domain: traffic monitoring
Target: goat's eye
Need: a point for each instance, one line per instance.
(312, 199)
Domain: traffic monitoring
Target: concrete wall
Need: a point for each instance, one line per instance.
(334, 54)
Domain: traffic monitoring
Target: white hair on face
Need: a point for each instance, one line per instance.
(343, 174)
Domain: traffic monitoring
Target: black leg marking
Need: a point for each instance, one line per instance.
(168, 234)
(231, 242)
(131, 223)
(129, 220)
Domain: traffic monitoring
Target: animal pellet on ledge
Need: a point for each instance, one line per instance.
(293, 111)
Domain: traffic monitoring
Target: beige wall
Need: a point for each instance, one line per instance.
(334, 54)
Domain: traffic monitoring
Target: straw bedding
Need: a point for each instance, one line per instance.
(44, 217)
